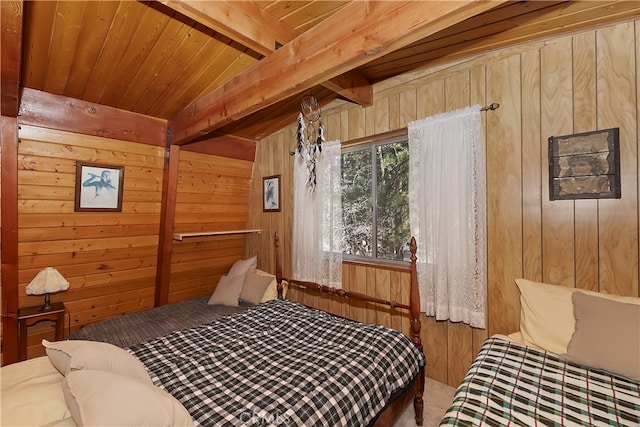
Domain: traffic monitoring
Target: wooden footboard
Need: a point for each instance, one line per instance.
(417, 389)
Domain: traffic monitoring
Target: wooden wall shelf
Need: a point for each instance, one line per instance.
(180, 236)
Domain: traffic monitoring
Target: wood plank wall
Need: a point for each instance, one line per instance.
(586, 81)
(109, 258)
(212, 194)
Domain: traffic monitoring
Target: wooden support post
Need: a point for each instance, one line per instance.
(9, 160)
(167, 219)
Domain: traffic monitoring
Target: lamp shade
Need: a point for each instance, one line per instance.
(48, 280)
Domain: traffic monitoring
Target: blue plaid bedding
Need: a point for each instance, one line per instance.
(511, 384)
(282, 364)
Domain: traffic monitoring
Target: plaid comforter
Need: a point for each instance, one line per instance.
(510, 384)
(282, 364)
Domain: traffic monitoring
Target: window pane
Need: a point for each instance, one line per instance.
(356, 202)
(392, 172)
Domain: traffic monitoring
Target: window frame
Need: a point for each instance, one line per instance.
(371, 144)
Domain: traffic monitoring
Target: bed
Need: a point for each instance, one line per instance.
(134, 328)
(281, 364)
(574, 362)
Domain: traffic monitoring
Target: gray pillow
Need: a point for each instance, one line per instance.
(607, 335)
(254, 287)
(228, 291)
(242, 266)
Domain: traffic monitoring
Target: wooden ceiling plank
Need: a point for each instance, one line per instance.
(530, 21)
(188, 55)
(575, 15)
(64, 38)
(301, 15)
(192, 86)
(255, 28)
(234, 67)
(98, 18)
(146, 36)
(558, 23)
(11, 39)
(120, 34)
(160, 53)
(353, 36)
(36, 41)
(499, 19)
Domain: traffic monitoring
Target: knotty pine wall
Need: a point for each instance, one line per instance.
(583, 82)
(212, 194)
(111, 259)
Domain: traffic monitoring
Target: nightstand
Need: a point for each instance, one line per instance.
(31, 315)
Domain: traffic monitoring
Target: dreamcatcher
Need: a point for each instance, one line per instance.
(310, 135)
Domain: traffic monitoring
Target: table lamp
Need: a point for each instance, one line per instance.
(48, 280)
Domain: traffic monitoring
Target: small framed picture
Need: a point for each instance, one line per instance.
(98, 187)
(585, 165)
(271, 193)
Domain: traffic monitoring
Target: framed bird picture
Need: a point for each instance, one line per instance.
(271, 193)
(98, 187)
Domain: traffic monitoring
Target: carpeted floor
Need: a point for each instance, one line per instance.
(437, 398)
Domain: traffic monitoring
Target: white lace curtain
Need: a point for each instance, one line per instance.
(447, 203)
(317, 219)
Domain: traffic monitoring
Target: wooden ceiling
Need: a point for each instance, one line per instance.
(212, 66)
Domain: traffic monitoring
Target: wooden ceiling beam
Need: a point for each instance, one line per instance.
(11, 42)
(355, 35)
(253, 27)
(43, 109)
(353, 86)
(242, 21)
(225, 146)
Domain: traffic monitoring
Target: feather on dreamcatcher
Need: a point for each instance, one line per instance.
(310, 135)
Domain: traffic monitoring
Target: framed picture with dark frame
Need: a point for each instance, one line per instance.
(271, 193)
(585, 165)
(98, 187)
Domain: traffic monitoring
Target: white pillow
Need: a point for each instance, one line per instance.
(227, 292)
(546, 313)
(72, 355)
(100, 398)
(31, 393)
(242, 266)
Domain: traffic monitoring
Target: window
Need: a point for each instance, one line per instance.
(375, 203)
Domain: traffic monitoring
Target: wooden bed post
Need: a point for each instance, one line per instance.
(414, 310)
(278, 265)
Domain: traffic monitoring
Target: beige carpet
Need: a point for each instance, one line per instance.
(437, 398)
